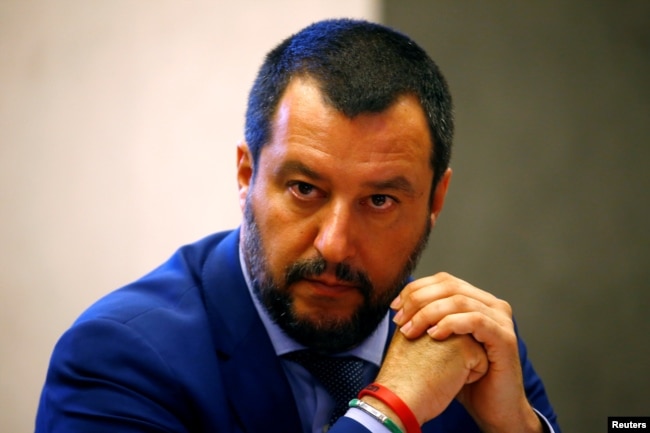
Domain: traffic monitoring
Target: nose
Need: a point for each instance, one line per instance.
(336, 234)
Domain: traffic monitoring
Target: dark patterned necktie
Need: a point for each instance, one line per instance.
(342, 377)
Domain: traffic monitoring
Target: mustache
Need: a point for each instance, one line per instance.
(314, 267)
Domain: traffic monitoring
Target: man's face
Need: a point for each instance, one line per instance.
(336, 214)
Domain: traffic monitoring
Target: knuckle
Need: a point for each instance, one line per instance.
(416, 300)
(511, 339)
(460, 302)
(505, 307)
(475, 319)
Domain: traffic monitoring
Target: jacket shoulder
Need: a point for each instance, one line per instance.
(169, 287)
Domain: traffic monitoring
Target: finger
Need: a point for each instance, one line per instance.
(447, 282)
(477, 365)
(499, 339)
(474, 358)
(424, 291)
(414, 286)
(432, 313)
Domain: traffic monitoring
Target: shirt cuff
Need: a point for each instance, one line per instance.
(366, 420)
(545, 424)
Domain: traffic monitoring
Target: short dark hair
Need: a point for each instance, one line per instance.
(361, 67)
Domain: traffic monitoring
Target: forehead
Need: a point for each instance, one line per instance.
(305, 122)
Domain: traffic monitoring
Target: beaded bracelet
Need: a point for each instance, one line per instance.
(396, 404)
(383, 419)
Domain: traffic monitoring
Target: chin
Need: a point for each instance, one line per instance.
(329, 330)
(324, 318)
(323, 310)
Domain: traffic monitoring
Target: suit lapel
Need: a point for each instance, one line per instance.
(254, 380)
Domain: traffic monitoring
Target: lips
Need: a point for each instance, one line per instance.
(330, 287)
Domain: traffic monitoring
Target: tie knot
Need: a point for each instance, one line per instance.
(341, 376)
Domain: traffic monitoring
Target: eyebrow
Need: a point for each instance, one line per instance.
(291, 167)
(397, 183)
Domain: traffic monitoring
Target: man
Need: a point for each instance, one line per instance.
(342, 175)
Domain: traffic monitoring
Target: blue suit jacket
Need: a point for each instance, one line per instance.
(183, 350)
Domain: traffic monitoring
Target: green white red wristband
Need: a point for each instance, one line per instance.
(390, 399)
(378, 415)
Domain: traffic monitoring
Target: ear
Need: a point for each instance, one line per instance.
(244, 172)
(439, 196)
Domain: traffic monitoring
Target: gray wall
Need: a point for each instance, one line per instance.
(549, 198)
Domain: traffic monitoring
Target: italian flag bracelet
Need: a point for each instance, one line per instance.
(390, 399)
(386, 422)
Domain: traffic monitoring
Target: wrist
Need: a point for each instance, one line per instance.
(385, 409)
(377, 415)
(394, 404)
(528, 421)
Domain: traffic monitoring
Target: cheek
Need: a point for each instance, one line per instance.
(385, 260)
(284, 236)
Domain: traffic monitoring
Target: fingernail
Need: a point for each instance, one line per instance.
(406, 328)
(398, 317)
(395, 304)
(432, 331)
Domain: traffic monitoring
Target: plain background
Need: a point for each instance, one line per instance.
(118, 126)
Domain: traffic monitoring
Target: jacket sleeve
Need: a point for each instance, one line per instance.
(104, 377)
(535, 390)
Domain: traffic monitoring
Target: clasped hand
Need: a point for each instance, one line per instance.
(470, 353)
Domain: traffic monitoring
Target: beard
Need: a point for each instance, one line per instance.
(327, 335)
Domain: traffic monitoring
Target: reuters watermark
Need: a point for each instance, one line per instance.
(628, 424)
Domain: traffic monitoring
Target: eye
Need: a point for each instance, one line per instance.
(304, 190)
(381, 201)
